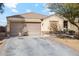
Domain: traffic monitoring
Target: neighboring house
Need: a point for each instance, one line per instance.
(35, 24)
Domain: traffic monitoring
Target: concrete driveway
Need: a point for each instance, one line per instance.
(35, 46)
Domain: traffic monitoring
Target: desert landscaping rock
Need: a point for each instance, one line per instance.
(35, 46)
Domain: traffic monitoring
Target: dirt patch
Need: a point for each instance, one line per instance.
(1, 43)
(73, 43)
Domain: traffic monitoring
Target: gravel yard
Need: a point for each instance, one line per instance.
(35, 46)
(73, 43)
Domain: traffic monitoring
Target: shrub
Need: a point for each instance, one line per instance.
(71, 32)
(77, 35)
(2, 35)
(2, 29)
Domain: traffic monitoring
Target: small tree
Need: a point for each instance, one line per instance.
(1, 7)
(68, 10)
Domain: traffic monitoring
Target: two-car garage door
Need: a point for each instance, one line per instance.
(30, 28)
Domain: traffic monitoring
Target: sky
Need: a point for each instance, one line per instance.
(20, 8)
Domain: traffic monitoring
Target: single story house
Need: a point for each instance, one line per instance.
(35, 24)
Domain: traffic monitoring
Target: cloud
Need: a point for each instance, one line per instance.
(36, 5)
(14, 10)
(28, 10)
(47, 9)
(51, 13)
(11, 6)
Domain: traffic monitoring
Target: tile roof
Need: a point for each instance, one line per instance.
(30, 15)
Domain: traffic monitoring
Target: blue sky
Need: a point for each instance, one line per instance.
(19, 8)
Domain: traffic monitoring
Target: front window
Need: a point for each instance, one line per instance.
(65, 24)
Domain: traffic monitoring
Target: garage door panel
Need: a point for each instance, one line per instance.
(31, 28)
(34, 28)
(16, 28)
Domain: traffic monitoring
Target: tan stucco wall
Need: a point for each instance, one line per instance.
(32, 20)
(72, 27)
(21, 21)
(45, 26)
(8, 26)
(14, 19)
(9, 20)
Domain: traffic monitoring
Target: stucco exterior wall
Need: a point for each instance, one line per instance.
(32, 20)
(14, 24)
(72, 27)
(8, 26)
(15, 19)
(9, 20)
(46, 23)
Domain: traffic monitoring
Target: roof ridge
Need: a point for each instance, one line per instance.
(28, 13)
